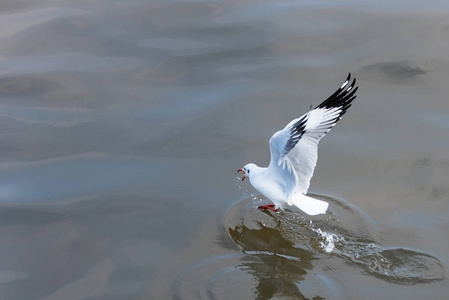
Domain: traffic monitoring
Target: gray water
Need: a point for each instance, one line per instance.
(122, 125)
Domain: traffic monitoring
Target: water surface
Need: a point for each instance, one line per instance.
(123, 124)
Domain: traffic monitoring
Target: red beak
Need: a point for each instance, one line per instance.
(243, 173)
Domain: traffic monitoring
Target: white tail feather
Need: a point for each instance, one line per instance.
(308, 205)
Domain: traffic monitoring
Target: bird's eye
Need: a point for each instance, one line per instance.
(248, 171)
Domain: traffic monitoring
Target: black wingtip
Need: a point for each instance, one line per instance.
(354, 82)
(343, 96)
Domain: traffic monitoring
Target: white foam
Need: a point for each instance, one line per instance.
(330, 239)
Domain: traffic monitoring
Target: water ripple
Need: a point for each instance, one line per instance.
(214, 276)
(344, 232)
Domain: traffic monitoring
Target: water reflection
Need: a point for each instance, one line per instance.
(289, 246)
(281, 265)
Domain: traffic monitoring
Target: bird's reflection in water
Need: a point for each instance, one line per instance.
(281, 266)
(294, 253)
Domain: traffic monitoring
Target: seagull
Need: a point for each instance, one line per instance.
(294, 153)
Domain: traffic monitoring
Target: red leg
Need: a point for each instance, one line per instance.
(269, 206)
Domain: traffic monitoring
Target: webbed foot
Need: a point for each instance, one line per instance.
(269, 206)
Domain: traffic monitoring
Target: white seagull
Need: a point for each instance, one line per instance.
(294, 153)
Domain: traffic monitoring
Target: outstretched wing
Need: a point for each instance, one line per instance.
(294, 150)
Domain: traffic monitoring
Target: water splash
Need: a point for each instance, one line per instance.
(328, 245)
(345, 232)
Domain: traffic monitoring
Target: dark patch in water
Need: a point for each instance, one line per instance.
(396, 71)
(23, 86)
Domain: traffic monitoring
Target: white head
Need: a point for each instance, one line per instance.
(246, 170)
